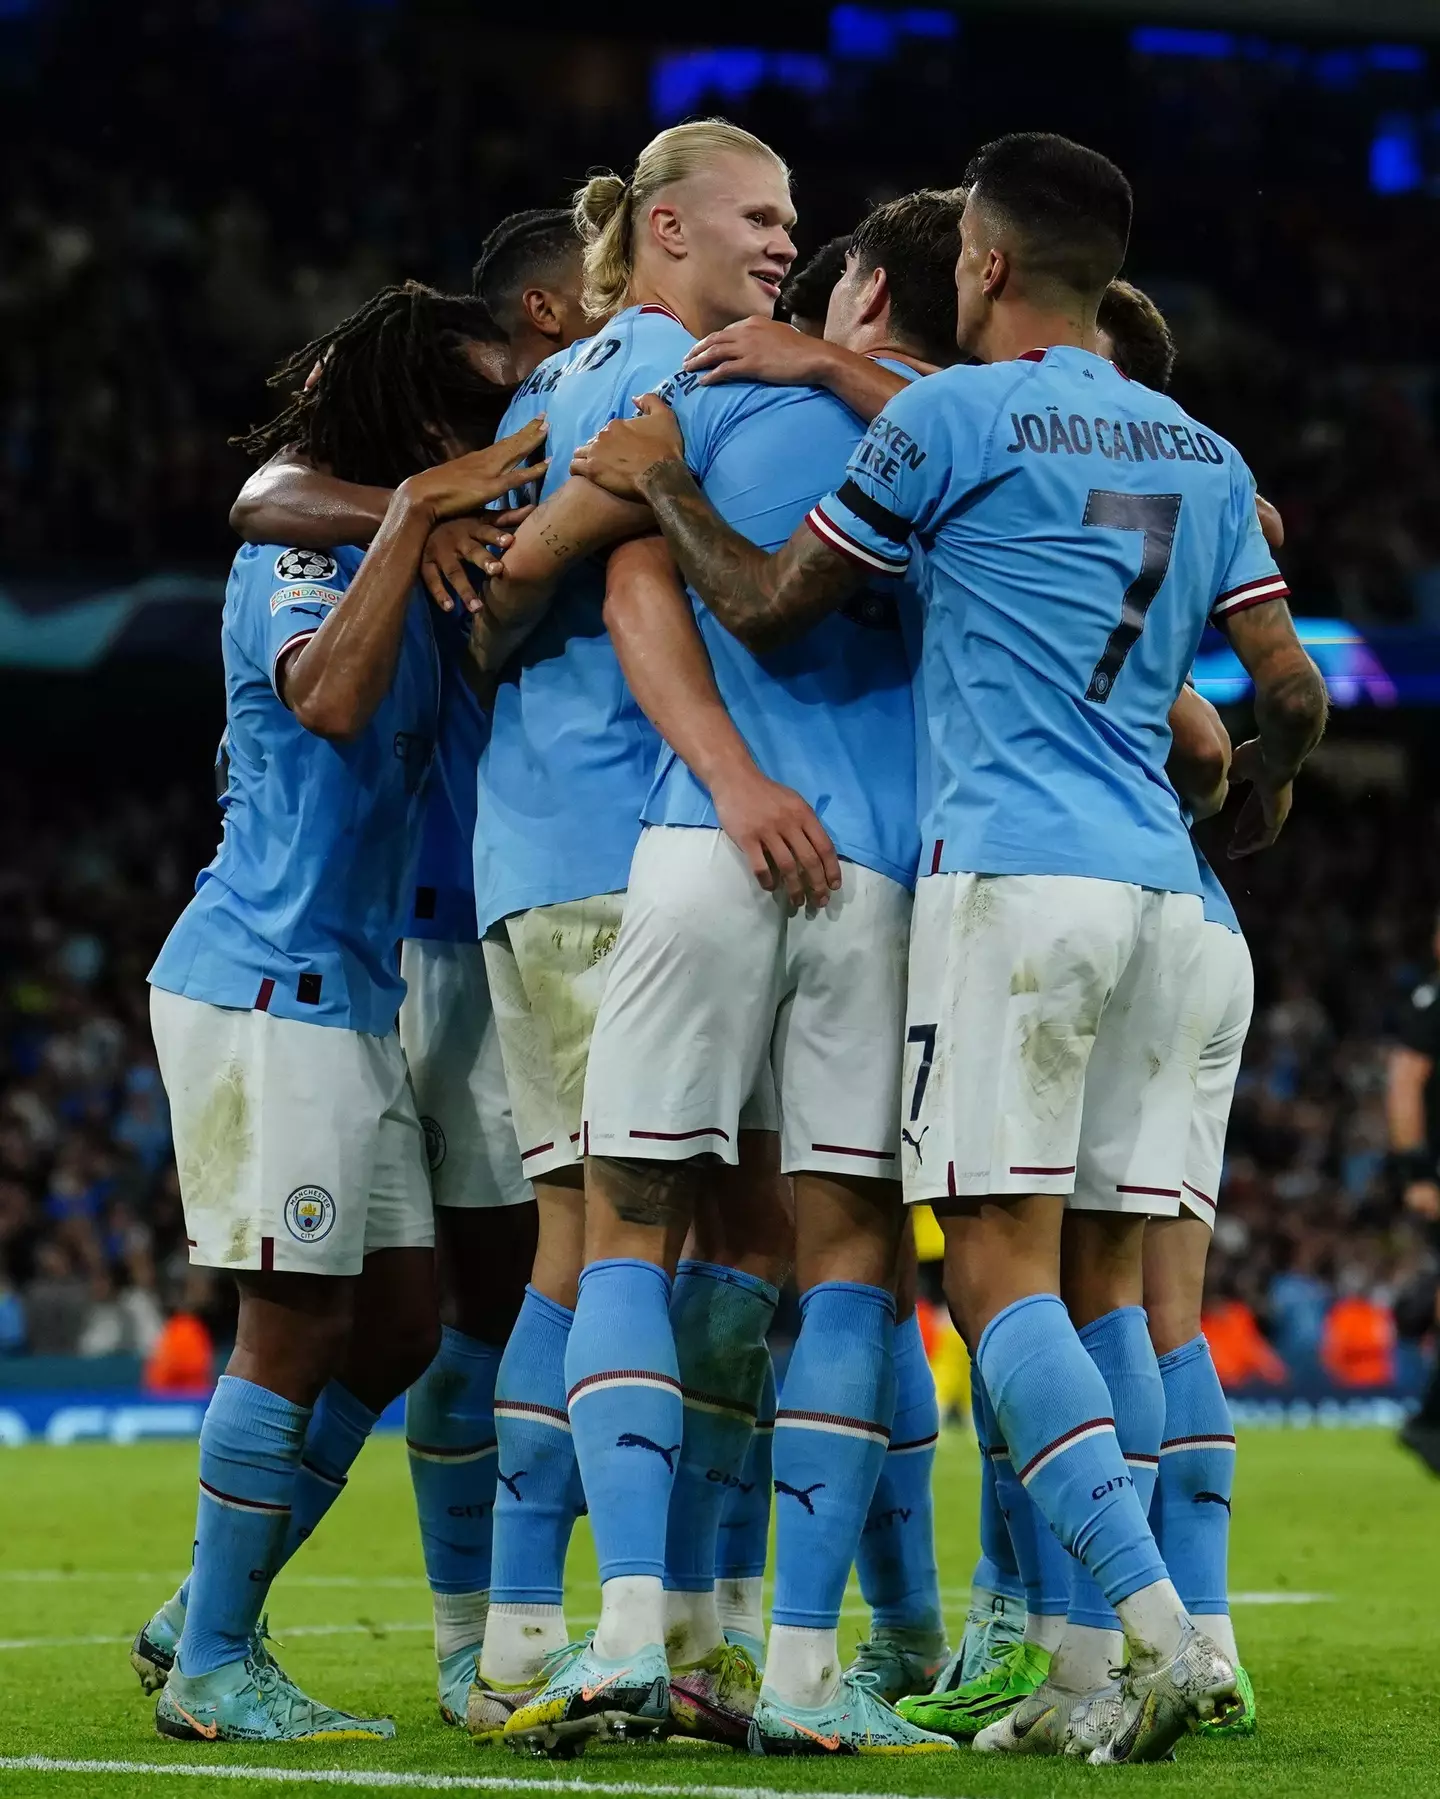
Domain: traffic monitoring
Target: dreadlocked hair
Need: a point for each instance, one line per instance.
(395, 384)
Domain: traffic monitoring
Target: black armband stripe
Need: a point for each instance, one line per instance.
(879, 518)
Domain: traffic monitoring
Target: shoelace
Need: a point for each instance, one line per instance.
(868, 1668)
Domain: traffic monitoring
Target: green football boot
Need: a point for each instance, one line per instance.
(855, 1722)
(587, 1696)
(1243, 1723)
(253, 1702)
(964, 1711)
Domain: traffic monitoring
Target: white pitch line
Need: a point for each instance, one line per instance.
(434, 1783)
(295, 1630)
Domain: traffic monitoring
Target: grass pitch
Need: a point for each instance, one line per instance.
(1335, 1541)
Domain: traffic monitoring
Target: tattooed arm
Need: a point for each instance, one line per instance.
(764, 599)
(1290, 711)
(577, 520)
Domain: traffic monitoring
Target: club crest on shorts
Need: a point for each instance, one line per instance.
(434, 1142)
(305, 565)
(309, 1214)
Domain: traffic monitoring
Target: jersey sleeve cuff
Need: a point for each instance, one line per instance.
(1252, 593)
(823, 521)
(293, 641)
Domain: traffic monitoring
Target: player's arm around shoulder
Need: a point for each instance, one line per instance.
(763, 598)
(333, 679)
(1291, 703)
(766, 350)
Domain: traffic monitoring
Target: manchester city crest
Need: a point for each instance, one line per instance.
(434, 1142)
(309, 1214)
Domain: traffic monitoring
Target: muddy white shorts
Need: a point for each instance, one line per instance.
(452, 1047)
(715, 987)
(298, 1145)
(547, 970)
(1052, 1040)
(1227, 998)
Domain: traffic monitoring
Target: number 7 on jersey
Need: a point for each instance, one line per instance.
(1156, 515)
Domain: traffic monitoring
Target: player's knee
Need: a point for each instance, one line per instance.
(658, 1195)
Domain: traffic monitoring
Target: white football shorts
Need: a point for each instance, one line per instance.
(718, 992)
(1052, 1040)
(1227, 998)
(298, 1145)
(547, 969)
(452, 1046)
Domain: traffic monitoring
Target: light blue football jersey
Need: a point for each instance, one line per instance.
(570, 757)
(1218, 909)
(302, 908)
(443, 905)
(1078, 531)
(831, 715)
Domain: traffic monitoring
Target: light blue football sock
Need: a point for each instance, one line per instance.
(744, 1543)
(831, 1432)
(623, 1391)
(719, 1317)
(996, 1570)
(1041, 1559)
(899, 1577)
(450, 1439)
(250, 1445)
(537, 1495)
(339, 1428)
(1119, 1345)
(1054, 1410)
(1197, 1472)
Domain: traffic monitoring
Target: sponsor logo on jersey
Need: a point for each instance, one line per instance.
(309, 1214)
(305, 565)
(304, 593)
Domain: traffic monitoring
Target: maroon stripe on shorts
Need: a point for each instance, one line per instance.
(710, 1130)
(267, 1255)
(262, 998)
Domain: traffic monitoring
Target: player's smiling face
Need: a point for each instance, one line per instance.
(737, 219)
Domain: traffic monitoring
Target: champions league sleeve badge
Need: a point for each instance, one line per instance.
(309, 1214)
(305, 565)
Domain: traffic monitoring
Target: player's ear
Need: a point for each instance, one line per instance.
(877, 296)
(667, 228)
(539, 307)
(997, 274)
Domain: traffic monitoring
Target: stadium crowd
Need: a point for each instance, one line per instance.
(1314, 1266)
(148, 287)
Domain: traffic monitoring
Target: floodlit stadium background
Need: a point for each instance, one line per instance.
(193, 189)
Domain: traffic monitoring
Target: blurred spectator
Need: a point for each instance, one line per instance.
(183, 1357)
(1359, 1344)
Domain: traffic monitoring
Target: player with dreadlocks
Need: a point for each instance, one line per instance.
(526, 286)
(301, 1157)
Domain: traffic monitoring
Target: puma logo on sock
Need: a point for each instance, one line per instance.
(1212, 1499)
(629, 1439)
(511, 1482)
(801, 1493)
